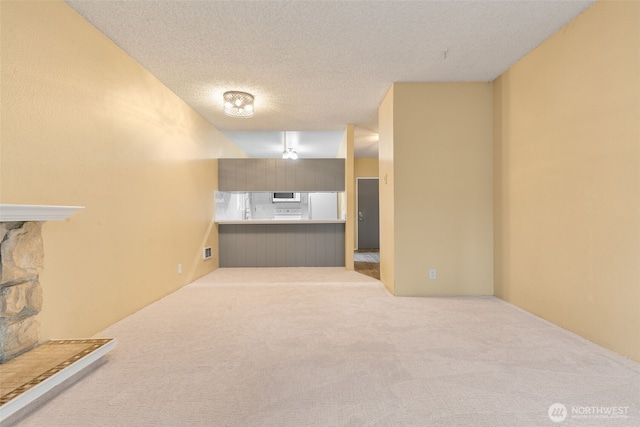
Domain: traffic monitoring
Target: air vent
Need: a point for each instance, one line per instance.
(206, 252)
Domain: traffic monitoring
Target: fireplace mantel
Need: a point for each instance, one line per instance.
(22, 258)
(11, 213)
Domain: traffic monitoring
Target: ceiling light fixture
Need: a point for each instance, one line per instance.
(288, 153)
(238, 104)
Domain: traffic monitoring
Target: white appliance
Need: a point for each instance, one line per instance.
(323, 205)
(288, 214)
(286, 196)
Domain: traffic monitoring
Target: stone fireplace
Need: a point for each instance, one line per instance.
(31, 373)
(21, 261)
(21, 258)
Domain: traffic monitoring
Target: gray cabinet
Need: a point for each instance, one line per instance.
(255, 172)
(270, 173)
(281, 175)
(290, 182)
(227, 174)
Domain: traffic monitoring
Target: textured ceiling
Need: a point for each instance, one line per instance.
(319, 65)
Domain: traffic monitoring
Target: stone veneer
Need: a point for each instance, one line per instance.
(21, 260)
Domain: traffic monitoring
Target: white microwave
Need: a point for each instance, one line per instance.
(286, 197)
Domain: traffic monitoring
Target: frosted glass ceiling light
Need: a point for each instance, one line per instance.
(238, 104)
(288, 153)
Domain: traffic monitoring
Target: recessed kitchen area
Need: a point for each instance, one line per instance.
(281, 206)
(281, 212)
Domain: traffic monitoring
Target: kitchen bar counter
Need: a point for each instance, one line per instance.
(281, 243)
(281, 221)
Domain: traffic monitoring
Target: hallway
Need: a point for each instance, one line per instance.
(367, 262)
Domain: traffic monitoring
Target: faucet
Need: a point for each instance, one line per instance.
(246, 213)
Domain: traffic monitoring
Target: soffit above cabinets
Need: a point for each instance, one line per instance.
(270, 144)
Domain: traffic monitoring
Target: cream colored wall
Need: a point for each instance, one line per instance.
(366, 167)
(350, 198)
(342, 154)
(84, 124)
(436, 206)
(567, 178)
(443, 188)
(387, 190)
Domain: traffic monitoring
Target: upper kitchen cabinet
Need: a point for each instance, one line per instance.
(227, 173)
(281, 175)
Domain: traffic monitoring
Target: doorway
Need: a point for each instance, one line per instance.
(367, 256)
(368, 208)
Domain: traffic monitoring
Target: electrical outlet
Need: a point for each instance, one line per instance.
(207, 252)
(433, 274)
(179, 268)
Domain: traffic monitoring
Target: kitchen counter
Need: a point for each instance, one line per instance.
(281, 243)
(281, 221)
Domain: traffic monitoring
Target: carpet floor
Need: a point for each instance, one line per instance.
(327, 347)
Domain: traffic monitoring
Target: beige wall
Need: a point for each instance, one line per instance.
(348, 200)
(366, 167)
(442, 163)
(567, 181)
(387, 190)
(84, 124)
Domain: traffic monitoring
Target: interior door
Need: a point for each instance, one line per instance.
(368, 214)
